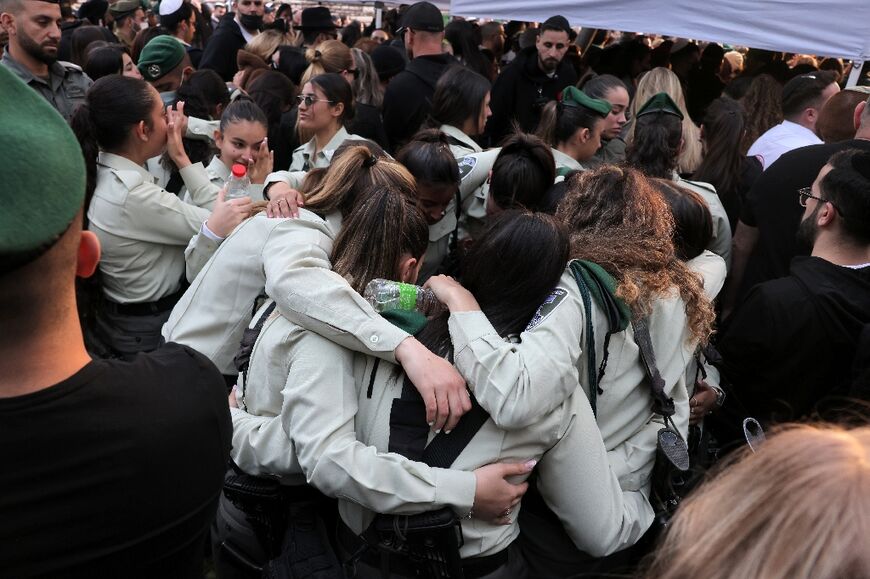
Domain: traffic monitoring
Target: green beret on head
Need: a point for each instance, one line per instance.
(160, 56)
(574, 97)
(124, 7)
(43, 170)
(660, 103)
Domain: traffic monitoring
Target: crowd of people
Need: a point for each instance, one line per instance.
(650, 351)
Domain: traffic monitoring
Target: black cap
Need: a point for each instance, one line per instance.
(557, 23)
(423, 16)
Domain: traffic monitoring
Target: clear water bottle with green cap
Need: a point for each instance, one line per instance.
(239, 182)
(386, 295)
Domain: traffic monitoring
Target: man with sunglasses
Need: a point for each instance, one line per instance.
(790, 348)
(235, 29)
(534, 78)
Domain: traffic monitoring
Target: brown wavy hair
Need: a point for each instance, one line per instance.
(763, 106)
(798, 508)
(620, 221)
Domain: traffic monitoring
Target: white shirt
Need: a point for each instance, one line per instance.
(782, 138)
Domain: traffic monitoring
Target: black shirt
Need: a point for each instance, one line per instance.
(116, 471)
(792, 343)
(772, 206)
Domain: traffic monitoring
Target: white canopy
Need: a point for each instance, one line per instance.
(837, 28)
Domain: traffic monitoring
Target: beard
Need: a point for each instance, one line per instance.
(38, 51)
(807, 232)
(548, 65)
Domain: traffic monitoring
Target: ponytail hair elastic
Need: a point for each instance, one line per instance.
(370, 162)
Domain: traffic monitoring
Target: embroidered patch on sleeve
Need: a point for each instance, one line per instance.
(466, 164)
(547, 308)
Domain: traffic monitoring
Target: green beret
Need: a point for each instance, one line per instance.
(124, 7)
(43, 169)
(160, 56)
(574, 97)
(660, 103)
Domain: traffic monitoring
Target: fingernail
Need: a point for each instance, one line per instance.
(437, 431)
(447, 431)
(531, 464)
(432, 423)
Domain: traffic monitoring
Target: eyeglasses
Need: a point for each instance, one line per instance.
(311, 99)
(805, 193)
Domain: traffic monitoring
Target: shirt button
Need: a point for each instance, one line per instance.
(374, 339)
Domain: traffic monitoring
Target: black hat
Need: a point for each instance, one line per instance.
(423, 16)
(557, 23)
(388, 61)
(93, 10)
(316, 18)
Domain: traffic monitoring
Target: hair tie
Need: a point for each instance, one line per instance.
(370, 162)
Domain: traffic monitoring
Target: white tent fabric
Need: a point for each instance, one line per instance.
(443, 5)
(837, 28)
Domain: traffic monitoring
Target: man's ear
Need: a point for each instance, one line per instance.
(7, 22)
(88, 255)
(856, 116)
(826, 215)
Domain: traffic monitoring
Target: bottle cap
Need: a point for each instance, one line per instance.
(239, 170)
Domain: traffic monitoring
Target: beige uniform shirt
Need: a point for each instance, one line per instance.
(296, 420)
(578, 480)
(290, 259)
(143, 229)
(521, 381)
(218, 175)
(465, 145)
(565, 164)
(721, 242)
(305, 159)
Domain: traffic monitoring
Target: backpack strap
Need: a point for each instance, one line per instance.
(242, 359)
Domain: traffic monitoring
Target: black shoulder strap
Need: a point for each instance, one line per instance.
(661, 403)
(409, 431)
(242, 358)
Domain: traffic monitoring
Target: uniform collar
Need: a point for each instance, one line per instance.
(457, 134)
(56, 71)
(119, 163)
(218, 169)
(563, 160)
(329, 150)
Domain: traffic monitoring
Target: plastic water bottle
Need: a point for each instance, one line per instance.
(385, 295)
(239, 182)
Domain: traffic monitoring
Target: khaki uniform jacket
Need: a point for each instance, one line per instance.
(142, 228)
(577, 479)
(304, 158)
(533, 377)
(65, 88)
(297, 420)
(564, 164)
(465, 145)
(290, 259)
(218, 175)
(721, 242)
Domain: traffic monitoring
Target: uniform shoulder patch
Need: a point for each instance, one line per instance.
(466, 164)
(547, 308)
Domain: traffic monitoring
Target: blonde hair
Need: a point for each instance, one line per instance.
(329, 56)
(356, 166)
(663, 80)
(267, 42)
(799, 508)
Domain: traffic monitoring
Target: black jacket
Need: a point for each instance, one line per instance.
(521, 91)
(220, 52)
(793, 342)
(408, 98)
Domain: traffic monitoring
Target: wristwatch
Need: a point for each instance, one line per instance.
(720, 395)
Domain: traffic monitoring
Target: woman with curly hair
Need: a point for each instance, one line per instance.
(763, 104)
(621, 244)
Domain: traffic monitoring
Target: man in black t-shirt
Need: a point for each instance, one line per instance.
(764, 242)
(110, 469)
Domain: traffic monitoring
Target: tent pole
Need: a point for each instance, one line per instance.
(379, 14)
(855, 75)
